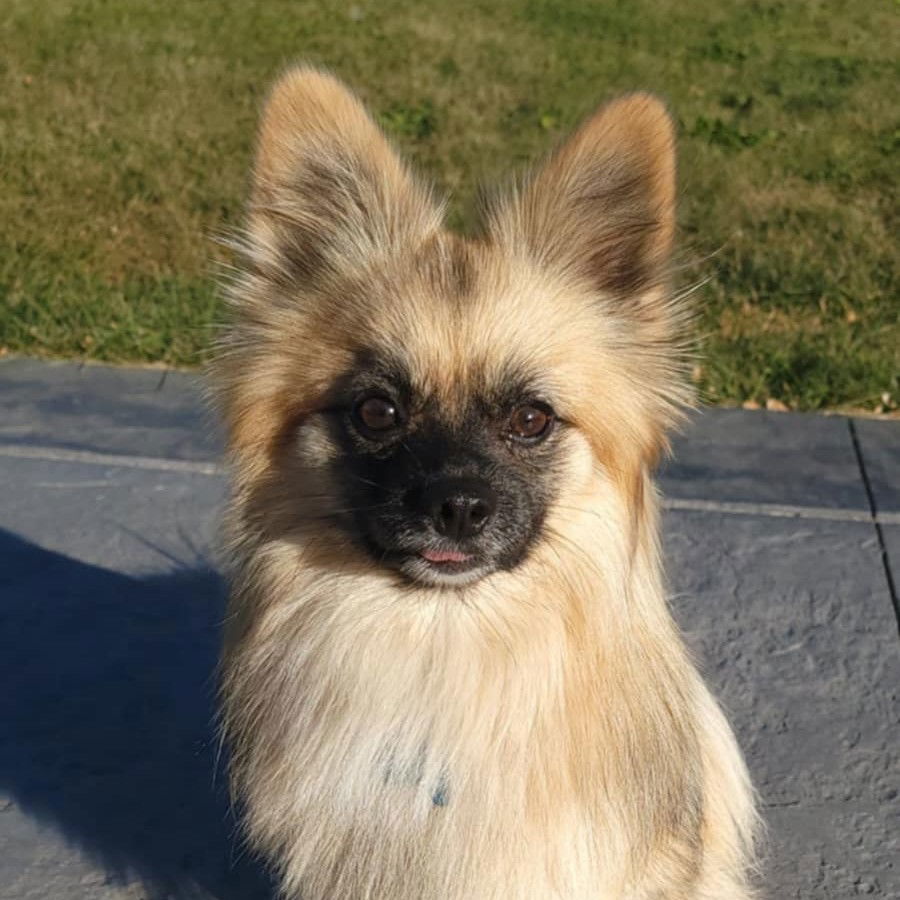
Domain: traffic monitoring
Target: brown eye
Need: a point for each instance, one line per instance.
(529, 423)
(378, 414)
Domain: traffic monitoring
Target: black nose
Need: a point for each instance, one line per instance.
(459, 507)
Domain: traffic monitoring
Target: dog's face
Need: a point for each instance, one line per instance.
(425, 402)
(444, 490)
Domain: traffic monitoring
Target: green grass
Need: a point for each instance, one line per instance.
(126, 130)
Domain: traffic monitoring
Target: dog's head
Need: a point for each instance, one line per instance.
(424, 403)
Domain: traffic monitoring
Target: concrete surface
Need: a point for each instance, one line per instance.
(881, 450)
(780, 533)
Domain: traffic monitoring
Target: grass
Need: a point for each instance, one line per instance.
(126, 130)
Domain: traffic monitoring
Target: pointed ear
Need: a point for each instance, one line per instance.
(328, 191)
(602, 206)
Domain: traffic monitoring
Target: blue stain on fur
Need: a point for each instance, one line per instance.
(412, 775)
(441, 794)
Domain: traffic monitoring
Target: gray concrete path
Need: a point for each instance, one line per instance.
(781, 531)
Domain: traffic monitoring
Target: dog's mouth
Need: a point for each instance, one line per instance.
(445, 568)
(452, 564)
(447, 557)
(440, 567)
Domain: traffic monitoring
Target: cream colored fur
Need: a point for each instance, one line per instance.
(543, 733)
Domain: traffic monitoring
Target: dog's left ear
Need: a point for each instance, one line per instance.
(602, 206)
(329, 192)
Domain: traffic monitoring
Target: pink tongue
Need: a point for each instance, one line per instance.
(442, 556)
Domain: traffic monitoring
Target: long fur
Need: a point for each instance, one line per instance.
(543, 732)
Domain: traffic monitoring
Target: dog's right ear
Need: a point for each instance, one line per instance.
(602, 207)
(329, 192)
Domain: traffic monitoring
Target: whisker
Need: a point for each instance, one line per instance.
(576, 549)
(364, 480)
(480, 615)
(416, 459)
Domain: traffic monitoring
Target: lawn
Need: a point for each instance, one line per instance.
(126, 130)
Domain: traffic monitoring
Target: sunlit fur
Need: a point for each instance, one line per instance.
(541, 733)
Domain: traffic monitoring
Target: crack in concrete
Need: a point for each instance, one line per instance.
(873, 510)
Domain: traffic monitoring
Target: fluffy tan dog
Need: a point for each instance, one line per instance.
(449, 669)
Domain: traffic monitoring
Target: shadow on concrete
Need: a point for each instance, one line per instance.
(106, 715)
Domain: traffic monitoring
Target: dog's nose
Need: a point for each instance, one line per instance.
(460, 507)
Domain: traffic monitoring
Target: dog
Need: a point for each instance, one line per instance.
(449, 670)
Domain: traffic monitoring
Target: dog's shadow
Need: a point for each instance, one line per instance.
(106, 720)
